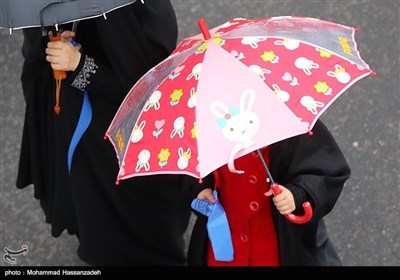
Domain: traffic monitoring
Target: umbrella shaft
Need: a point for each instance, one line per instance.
(265, 166)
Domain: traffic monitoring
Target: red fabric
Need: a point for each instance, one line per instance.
(249, 214)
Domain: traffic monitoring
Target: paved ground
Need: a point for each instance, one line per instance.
(365, 223)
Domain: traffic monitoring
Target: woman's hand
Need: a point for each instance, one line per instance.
(284, 201)
(63, 55)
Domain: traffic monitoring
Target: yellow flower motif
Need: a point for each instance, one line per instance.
(194, 131)
(164, 154)
(324, 53)
(268, 56)
(321, 87)
(202, 48)
(186, 155)
(340, 70)
(204, 45)
(218, 41)
(176, 95)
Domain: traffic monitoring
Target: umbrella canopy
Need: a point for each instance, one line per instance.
(229, 91)
(35, 13)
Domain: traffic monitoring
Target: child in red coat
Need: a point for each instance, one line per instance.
(307, 169)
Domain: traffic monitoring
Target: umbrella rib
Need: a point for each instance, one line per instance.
(265, 166)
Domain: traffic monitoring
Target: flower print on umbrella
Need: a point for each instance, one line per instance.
(288, 78)
(323, 87)
(270, 56)
(323, 53)
(288, 103)
(176, 96)
(215, 38)
(237, 55)
(163, 157)
(158, 125)
(174, 74)
(193, 131)
(307, 54)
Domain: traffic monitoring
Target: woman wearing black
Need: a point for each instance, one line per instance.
(141, 221)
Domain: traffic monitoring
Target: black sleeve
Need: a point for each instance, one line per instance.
(136, 37)
(315, 164)
(192, 186)
(132, 40)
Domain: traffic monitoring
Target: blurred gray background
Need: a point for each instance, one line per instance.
(364, 224)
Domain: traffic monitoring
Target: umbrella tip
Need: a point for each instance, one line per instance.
(356, 29)
(310, 133)
(117, 183)
(105, 137)
(373, 73)
(204, 28)
(200, 181)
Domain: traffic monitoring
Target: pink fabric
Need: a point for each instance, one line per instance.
(247, 68)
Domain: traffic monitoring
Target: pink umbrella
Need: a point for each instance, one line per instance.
(232, 90)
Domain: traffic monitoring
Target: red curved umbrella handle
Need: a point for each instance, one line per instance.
(308, 212)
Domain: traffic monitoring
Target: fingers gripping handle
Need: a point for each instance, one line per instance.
(59, 75)
(308, 212)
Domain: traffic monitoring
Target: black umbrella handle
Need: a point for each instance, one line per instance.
(308, 212)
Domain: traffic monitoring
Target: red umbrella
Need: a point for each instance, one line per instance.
(232, 90)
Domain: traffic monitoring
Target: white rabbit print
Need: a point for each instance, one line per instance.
(153, 102)
(283, 95)
(143, 161)
(253, 41)
(259, 71)
(238, 125)
(195, 72)
(193, 98)
(306, 65)
(183, 161)
(228, 24)
(311, 104)
(290, 44)
(137, 133)
(340, 74)
(179, 127)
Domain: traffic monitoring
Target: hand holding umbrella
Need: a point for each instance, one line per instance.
(64, 55)
(276, 190)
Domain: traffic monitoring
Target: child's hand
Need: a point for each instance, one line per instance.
(63, 55)
(206, 194)
(284, 201)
